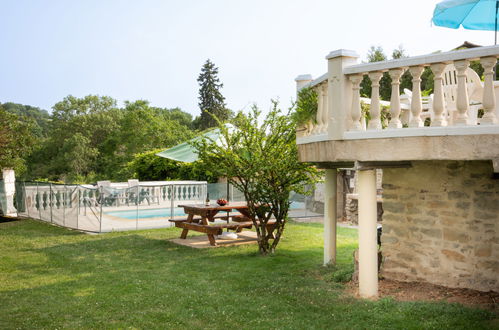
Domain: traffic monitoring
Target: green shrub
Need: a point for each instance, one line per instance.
(306, 106)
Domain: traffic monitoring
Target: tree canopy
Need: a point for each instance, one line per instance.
(91, 138)
(16, 140)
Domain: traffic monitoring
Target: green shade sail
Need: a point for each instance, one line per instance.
(185, 152)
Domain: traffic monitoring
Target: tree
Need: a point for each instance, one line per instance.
(75, 146)
(211, 100)
(16, 140)
(40, 118)
(399, 53)
(376, 54)
(261, 160)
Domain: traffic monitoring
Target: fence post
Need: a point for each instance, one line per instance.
(137, 209)
(172, 200)
(100, 217)
(50, 202)
(78, 207)
(39, 203)
(64, 201)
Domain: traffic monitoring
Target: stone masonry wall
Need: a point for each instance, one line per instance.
(441, 224)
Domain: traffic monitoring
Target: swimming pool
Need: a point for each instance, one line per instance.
(147, 213)
(166, 212)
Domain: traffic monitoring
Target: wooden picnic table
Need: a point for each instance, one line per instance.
(208, 213)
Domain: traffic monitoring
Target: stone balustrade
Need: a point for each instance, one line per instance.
(452, 108)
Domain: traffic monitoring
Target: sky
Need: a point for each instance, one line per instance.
(154, 49)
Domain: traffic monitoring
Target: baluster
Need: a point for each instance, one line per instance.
(439, 111)
(489, 97)
(45, 198)
(37, 201)
(325, 109)
(416, 103)
(320, 108)
(462, 100)
(395, 74)
(375, 111)
(58, 199)
(356, 111)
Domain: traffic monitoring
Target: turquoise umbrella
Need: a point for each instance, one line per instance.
(470, 14)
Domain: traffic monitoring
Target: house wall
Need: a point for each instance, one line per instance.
(441, 224)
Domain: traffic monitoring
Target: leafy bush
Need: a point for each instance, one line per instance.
(147, 166)
(306, 106)
(385, 113)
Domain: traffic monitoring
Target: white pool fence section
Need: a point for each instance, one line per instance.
(127, 206)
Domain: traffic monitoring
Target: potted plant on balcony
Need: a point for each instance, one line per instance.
(306, 110)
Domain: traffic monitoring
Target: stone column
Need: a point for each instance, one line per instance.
(339, 91)
(368, 247)
(302, 80)
(9, 181)
(330, 214)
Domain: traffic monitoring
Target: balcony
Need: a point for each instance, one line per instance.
(418, 141)
(341, 134)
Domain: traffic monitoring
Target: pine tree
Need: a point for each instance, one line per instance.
(211, 100)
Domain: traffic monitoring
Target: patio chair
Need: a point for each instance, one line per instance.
(449, 82)
(475, 93)
(405, 105)
(108, 197)
(132, 192)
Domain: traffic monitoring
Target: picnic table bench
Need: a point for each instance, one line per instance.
(200, 216)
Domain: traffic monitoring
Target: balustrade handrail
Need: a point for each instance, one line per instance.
(464, 54)
(458, 95)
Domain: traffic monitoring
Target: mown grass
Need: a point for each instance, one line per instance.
(51, 277)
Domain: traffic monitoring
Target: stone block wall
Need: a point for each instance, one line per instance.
(441, 224)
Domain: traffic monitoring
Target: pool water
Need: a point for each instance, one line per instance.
(166, 213)
(147, 213)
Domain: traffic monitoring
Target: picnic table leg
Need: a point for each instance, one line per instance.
(185, 231)
(211, 238)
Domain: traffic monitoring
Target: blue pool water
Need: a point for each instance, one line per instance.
(166, 213)
(147, 213)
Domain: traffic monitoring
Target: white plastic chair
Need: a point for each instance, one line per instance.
(475, 93)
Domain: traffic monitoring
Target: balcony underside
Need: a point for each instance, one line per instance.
(340, 153)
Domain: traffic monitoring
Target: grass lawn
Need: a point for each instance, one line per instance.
(51, 277)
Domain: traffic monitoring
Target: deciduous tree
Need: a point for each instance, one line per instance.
(261, 160)
(16, 140)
